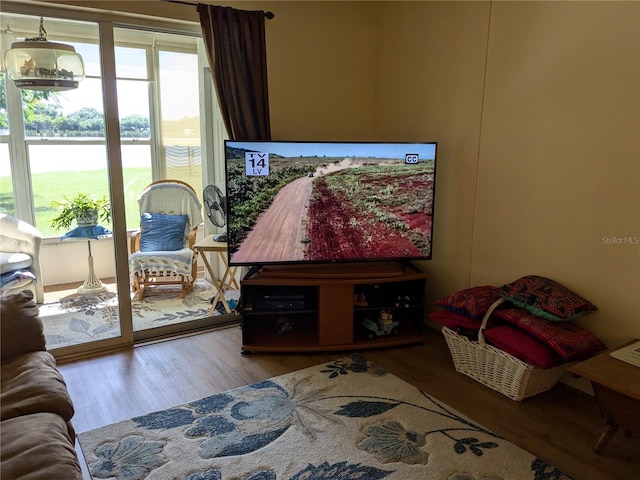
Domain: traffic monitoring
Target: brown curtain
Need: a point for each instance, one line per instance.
(235, 43)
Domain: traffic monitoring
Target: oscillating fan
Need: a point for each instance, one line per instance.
(216, 208)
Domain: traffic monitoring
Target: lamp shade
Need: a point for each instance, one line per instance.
(37, 64)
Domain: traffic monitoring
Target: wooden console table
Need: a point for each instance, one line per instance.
(616, 385)
(319, 308)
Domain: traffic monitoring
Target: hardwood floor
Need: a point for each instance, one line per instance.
(559, 426)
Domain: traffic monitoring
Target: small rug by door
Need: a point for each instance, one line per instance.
(342, 420)
(80, 318)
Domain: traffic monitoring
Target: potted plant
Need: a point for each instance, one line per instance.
(82, 208)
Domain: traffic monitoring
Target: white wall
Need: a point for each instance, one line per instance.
(536, 106)
(559, 164)
(430, 78)
(66, 261)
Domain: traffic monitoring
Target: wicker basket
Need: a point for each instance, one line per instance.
(497, 369)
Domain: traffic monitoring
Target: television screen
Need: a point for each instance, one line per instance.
(313, 202)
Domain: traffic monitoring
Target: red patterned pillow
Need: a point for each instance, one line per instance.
(472, 302)
(522, 346)
(455, 321)
(545, 298)
(570, 341)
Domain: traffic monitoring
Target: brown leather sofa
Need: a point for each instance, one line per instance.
(37, 439)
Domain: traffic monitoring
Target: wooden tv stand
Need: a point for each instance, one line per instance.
(321, 308)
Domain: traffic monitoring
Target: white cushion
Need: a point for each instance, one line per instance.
(18, 283)
(13, 261)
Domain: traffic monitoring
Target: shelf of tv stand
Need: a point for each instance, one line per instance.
(329, 320)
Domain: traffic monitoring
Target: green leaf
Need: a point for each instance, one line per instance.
(363, 409)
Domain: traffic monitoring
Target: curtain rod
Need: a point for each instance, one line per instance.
(267, 15)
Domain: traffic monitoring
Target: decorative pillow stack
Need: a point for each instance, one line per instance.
(534, 324)
(546, 298)
(463, 310)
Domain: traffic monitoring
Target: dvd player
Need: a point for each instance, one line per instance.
(280, 302)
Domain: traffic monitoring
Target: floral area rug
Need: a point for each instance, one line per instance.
(343, 420)
(79, 318)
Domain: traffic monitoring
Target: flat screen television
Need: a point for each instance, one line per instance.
(327, 202)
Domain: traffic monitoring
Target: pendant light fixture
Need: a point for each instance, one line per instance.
(37, 64)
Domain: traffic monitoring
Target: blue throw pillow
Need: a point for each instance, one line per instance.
(162, 232)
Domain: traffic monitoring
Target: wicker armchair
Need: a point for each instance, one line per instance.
(162, 250)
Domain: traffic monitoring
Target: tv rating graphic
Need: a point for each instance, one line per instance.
(256, 164)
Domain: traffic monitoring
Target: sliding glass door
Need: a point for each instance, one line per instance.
(55, 146)
(56, 154)
(159, 110)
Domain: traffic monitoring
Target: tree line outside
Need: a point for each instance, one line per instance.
(48, 121)
(43, 117)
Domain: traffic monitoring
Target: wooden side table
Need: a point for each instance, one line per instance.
(616, 385)
(228, 280)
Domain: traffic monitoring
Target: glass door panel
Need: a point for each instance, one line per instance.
(81, 304)
(58, 148)
(135, 134)
(180, 122)
(159, 108)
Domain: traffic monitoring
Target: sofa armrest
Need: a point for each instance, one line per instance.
(21, 329)
(19, 236)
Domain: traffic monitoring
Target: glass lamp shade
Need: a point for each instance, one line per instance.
(44, 65)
